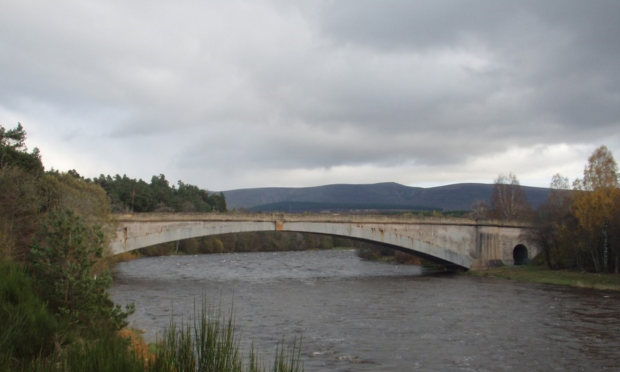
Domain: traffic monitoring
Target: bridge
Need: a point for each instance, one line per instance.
(465, 243)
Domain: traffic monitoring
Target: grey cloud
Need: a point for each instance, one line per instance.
(295, 85)
(565, 51)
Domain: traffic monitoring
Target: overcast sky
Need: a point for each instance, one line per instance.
(240, 94)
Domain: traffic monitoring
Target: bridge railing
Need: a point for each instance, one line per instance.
(315, 217)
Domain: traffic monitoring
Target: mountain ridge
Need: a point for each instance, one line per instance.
(460, 196)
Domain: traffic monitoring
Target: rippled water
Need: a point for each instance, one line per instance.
(356, 315)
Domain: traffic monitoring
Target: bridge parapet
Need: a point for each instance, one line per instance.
(317, 217)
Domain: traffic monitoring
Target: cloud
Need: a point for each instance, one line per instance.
(233, 94)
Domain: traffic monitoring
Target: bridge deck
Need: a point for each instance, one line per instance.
(317, 217)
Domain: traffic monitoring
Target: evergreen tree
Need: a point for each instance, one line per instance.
(14, 153)
(62, 261)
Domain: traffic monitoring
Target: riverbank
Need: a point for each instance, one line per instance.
(368, 316)
(541, 274)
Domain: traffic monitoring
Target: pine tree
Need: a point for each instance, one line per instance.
(62, 260)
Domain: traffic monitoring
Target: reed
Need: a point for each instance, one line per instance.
(107, 354)
(207, 343)
(210, 343)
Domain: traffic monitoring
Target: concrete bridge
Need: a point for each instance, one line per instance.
(464, 243)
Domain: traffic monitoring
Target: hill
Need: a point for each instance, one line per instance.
(379, 196)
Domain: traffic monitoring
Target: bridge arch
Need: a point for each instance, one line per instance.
(460, 242)
(382, 236)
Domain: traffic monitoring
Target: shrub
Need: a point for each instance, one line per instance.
(27, 329)
(62, 260)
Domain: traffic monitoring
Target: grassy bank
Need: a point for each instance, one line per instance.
(34, 337)
(208, 343)
(541, 274)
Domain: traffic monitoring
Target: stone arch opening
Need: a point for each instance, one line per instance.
(520, 255)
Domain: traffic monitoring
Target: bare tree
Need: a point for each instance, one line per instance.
(508, 200)
(550, 222)
(480, 209)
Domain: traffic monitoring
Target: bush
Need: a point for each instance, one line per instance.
(62, 260)
(27, 329)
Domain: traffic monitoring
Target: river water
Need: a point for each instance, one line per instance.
(357, 315)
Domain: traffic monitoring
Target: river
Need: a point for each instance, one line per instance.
(357, 315)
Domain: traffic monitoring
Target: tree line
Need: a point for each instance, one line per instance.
(254, 242)
(132, 195)
(54, 230)
(578, 227)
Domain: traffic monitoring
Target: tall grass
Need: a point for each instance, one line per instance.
(210, 343)
(207, 343)
(107, 354)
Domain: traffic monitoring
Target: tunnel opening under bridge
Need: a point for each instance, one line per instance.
(520, 255)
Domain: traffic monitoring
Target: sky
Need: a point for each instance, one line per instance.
(237, 94)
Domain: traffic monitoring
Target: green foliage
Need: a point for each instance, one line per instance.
(218, 246)
(164, 249)
(162, 194)
(131, 195)
(26, 199)
(218, 201)
(208, 343)
(27, 328)
(14, 153)
(62, 260)
(20, 210)
(28, 194)
(109, 353)
(193, 199)
(266, 241)
(375, 253)
(67, 191)
(20, 199)
(541, 274)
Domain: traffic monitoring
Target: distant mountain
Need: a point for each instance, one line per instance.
(379, 196)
